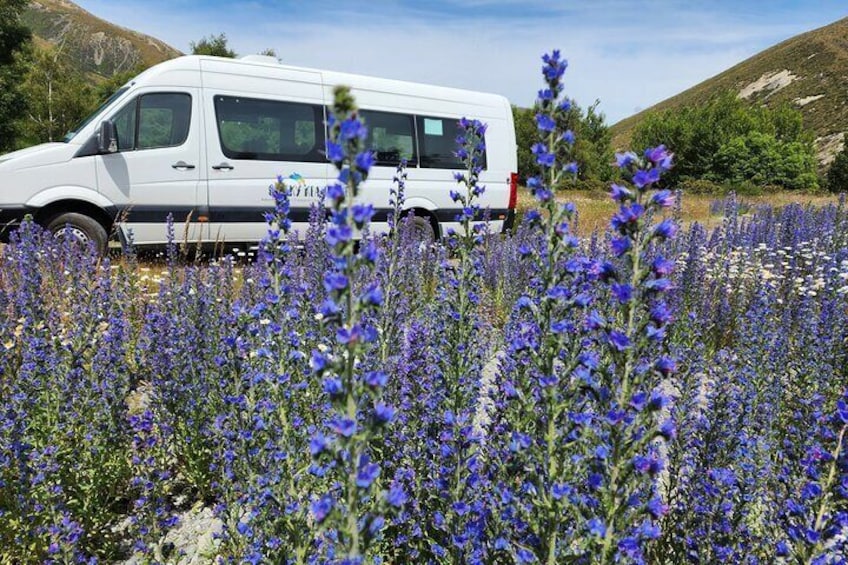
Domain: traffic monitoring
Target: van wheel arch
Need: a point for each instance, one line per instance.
(47, 215)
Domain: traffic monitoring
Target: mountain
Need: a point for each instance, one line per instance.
(94, 45)
(810, 71)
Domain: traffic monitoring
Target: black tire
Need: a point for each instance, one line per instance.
(80, 227)
(423, 229)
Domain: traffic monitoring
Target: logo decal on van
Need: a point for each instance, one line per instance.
(298, 188)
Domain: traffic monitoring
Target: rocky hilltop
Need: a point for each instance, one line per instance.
(810, 71)
(94, 45)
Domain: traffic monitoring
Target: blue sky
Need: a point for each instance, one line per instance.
(629, 55)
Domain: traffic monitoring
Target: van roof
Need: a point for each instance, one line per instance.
(332, 78)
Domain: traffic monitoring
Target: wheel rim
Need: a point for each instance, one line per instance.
(73, 233)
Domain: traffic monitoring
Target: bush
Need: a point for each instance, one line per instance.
(727, 140)
(702, 186)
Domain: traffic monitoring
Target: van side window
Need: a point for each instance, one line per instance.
(163, 121)
(270, 130)
(391, 137)
(124, 122)
(437, 140)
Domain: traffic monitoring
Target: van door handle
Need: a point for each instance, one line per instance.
(182, 165)
(223, 167)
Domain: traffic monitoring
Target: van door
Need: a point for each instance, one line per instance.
(273, 126)
(158, 167)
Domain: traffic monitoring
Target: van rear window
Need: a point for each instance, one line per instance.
(437, 142)
(270, 130)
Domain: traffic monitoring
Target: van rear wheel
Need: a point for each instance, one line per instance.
(81, 229)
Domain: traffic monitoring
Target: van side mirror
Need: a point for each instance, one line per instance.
(107, 141)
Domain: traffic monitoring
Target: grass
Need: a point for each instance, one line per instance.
(594, 208)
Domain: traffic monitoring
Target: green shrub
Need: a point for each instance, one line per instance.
(727, 140)
(701, 186)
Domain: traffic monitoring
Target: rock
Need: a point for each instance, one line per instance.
(769, 83)
(192, 542)
(485, 404)
(828, 147)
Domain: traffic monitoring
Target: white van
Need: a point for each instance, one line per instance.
(203, 137)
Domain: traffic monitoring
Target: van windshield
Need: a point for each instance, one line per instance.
(73, 133)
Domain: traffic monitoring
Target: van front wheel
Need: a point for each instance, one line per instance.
(81, 229)
(423, 229)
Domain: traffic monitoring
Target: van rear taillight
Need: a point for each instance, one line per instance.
(513, 190)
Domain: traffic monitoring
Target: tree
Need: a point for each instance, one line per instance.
(57, 96)
(14, 38)
(213, 45)
(103, 90)
(837, 176)
(728, 140)
(592, 149)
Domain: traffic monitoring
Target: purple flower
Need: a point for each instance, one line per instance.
(376, 379)
(663, 199)
(623, 160)
(620, 194)
(362, 213)
(368, 473)
(321, 508)
(383, 413)
(318, 444)
(345, 427)
(662, 267)
(335, 153)
(622, 292)
(620, 246)
(660, 157)
(545, 123)
(373, 296)
(627, 218)
(339, 234)
(352, 128)
(666, 366)
(842, 412)
(644, 178)
(396, 496)
(559, 491)
(668, 430)
(596, 527)
(540, 150)
(318, 361)
(666, 229)
(618, 340)
(333, 386)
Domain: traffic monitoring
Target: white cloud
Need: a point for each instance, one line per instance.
(627, 58)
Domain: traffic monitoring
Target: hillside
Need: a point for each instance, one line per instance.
(95, 45)
(809, 71)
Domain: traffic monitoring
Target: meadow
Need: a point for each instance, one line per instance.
(657, 392)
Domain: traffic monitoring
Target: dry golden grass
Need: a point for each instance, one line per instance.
(594, 209)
